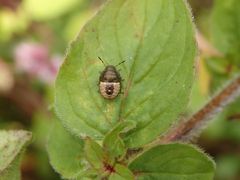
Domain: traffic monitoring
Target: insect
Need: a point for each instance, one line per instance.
(110, 81)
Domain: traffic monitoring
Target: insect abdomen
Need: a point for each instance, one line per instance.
(109, 90)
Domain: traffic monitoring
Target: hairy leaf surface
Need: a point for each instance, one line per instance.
(156, 40)
(12, 144)
(173, 162)
(66, 153)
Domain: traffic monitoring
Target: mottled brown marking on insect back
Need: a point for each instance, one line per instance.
(110, 82)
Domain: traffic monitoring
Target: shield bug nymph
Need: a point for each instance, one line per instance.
(110, 81)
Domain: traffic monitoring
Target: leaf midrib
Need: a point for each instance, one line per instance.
(131, 73)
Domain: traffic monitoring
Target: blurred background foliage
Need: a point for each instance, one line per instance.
(34, 36)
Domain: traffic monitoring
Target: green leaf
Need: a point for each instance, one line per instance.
(66, 153)
(175, 162)
(121, 173)
(94, 154)
(13, 171)
(156, 40)
(225, 29)
(12, 144)
(75, 22)
(113, 144)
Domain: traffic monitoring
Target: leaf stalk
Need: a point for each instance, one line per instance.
(186, 130)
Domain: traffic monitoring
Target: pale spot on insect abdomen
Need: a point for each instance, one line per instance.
(109, 90)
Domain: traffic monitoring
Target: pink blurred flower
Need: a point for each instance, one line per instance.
(35, 60)
(49, 72)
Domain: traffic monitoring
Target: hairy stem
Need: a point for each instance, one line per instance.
(195, 124)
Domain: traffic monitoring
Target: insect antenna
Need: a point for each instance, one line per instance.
(102, 61)
(120, 63)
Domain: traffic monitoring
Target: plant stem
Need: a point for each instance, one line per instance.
(195, 124)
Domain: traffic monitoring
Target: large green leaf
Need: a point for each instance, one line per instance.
(66, 153)
(156, 39)
(12, 144)
(225, 28)
(173, 162)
